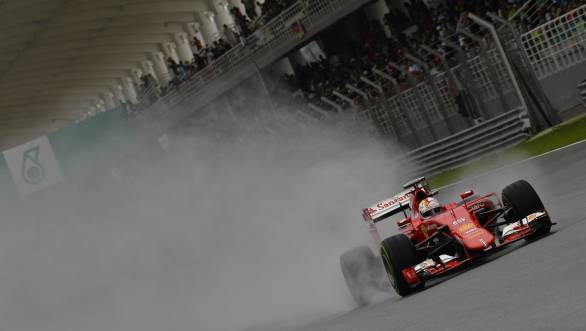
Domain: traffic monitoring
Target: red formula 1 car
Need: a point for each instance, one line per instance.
(436, 238)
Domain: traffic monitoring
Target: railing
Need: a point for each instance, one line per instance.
(551, 48)
(496, 133)
(582, 90)
(276, 33)
(557, 45)
(391, 115)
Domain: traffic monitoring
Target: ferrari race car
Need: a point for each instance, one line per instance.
(436, 238)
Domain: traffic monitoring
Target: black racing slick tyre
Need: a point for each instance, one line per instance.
(523, 200)
(363, 272)
(398, 253)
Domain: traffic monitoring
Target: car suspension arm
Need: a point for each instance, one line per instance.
(424, 245)
(497, 213)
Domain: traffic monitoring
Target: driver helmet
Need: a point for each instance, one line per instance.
(429, 207)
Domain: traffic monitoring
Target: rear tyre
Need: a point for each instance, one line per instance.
(362, 272)
(523, 200)
(398, 253)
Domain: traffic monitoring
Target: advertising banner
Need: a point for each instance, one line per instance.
(33, 166)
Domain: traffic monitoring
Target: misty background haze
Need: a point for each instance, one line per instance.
(219, 233)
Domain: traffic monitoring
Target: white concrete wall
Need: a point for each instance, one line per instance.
(222, 10)
(162, 73)
(183, 47)
(193, 29)
(208, 27)
(129, 90)
(170, 51)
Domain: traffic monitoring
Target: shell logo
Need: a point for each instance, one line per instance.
(466, 228)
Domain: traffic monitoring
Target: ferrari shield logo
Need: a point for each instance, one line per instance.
(33, 166)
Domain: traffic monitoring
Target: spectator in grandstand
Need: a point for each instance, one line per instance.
(175, 68)
(145, 81)
(231, 36)
(188, 68)
(209, 55)
(196, 43)
(199, 61)
(241, 21)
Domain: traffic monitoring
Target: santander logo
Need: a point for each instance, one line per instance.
(383, 205)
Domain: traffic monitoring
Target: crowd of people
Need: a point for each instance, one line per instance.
(422, 23)
(246, 22)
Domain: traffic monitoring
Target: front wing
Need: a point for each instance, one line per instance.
(511, 233)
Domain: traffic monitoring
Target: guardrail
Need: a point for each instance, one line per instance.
(558, 44)
(501, 131)
(582, 90)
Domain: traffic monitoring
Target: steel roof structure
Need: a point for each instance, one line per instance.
(59, 56)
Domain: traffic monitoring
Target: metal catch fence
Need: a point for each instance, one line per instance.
(558, 44)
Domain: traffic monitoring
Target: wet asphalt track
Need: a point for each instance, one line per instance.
(537, 286)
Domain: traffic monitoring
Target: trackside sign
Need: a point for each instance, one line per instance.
(33, 166)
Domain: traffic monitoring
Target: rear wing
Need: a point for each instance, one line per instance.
(388, 207)
(396, 204)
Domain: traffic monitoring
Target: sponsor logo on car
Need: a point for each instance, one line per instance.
(388, 204)
(466, 228)
(478, 205)
(427, 227)
(460, 221)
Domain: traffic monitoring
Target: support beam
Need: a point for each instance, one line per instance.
(358, 91)
(345, 98)
(373, 84)
(332, 103)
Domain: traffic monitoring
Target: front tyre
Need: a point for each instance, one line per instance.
(523, 200)
(398, 253)
(363, 272)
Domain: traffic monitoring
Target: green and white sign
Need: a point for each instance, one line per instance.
(33, 166)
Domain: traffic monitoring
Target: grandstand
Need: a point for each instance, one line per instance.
(415, 72)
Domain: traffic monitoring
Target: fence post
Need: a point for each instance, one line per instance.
(503, 55)
(472, 99)
(332, 103)
(345, 98)
(319, 110)
(357, 90)
(449, 73)
(529, 77)
(373, 84)
(492, 73)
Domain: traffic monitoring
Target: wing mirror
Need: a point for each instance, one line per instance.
(466, 194)
(403, 223)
